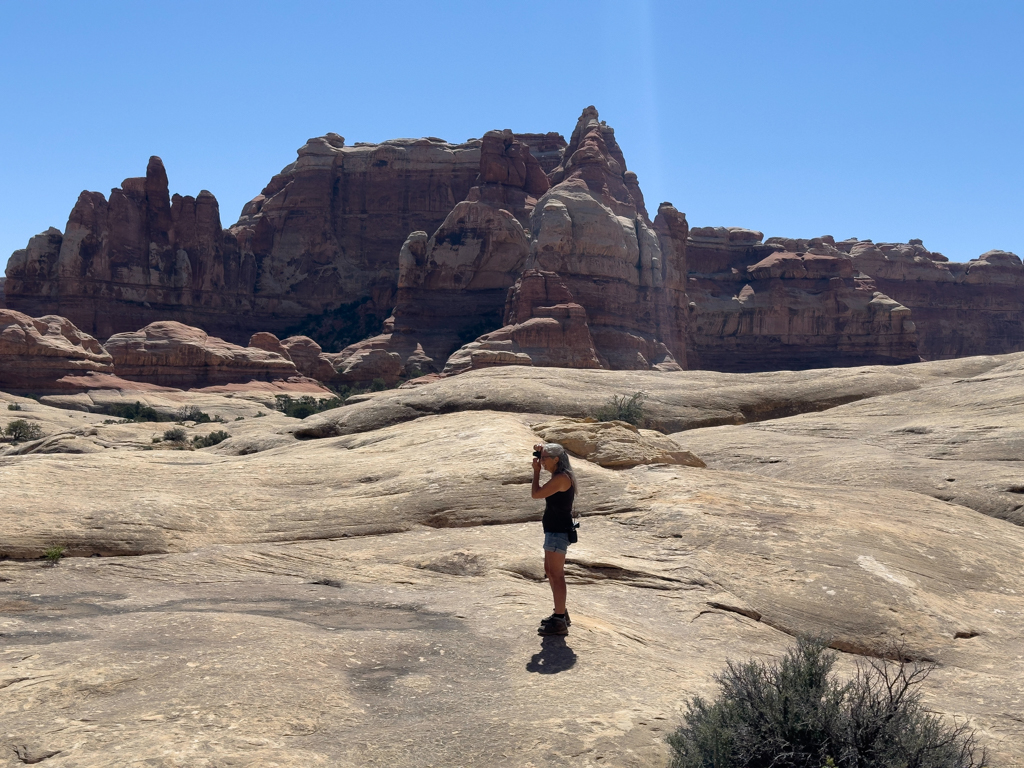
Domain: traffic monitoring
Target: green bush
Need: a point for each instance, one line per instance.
(136, 412)
(175, 435)
(211, 439)
(14, 406)
(378, 385)
(796, 714)
(54, 554)
(21, 431)
(305, 406)
(628, 408)
(192, 413)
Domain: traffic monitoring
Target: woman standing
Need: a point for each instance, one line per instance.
(558, 493)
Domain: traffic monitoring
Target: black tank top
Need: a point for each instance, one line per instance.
(558, 511)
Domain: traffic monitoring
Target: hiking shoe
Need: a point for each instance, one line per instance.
(552, 617)
(556, 626)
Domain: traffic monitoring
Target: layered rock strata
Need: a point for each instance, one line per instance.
(454, 284)
(36, 352)
(176, 355)
(543, 326)
(592, 229)
(306, 354)
(320, 239)
(325, 252)
(134, 258)
(959, 309)
(788, 304)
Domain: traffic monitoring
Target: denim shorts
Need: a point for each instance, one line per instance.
(556, 542)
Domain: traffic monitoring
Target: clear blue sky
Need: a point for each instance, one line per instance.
(882, 120)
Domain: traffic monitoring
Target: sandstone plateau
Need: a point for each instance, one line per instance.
(421, 256)
(362, 587)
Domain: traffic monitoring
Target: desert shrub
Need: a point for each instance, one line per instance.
(205, 441)
(192, 413)
(175, 435)
(378, 385)
(14, 406)
(136, 412)
(796, 714)
(305, 406)
(21, 431)
(628, 408)
(343, 391)
(54, 554)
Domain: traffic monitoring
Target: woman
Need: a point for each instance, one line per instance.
(558, 494)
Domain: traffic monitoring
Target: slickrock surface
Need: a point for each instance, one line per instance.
(35, 352)
(961, 442)
(676, 401)
(371, 599)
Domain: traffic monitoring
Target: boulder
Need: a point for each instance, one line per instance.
(614, 444)
(268, 342)
(308, 357)
(172, 354)
(35, 353)
(365, 365)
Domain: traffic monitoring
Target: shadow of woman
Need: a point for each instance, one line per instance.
(554, 657)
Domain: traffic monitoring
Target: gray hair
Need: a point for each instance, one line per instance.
(555, 451)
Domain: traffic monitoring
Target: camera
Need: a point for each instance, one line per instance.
(536, 454)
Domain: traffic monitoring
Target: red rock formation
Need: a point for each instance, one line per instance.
(139, 257)
(788, 304)
(453, 285)
(307, 355)
(315, 253)
(592, 229)
(175, 355)
(544, 326)
(322, 237)
(959, 309)
(36, 352)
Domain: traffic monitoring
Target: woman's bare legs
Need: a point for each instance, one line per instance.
(554, 569)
